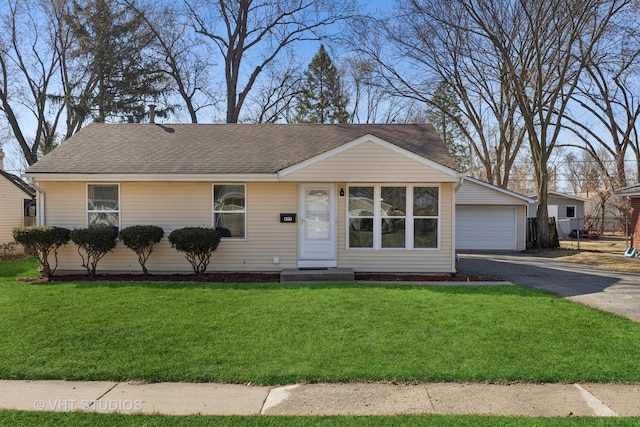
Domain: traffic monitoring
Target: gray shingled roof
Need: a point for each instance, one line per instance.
(29, 190)
(632, 190)
(221, 148)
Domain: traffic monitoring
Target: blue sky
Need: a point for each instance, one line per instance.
(14, 162)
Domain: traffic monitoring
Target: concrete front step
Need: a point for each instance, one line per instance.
(325, 275)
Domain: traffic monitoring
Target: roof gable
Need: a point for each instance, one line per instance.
(360, 145)
(476, 191)
(19, 183)
(223, 149)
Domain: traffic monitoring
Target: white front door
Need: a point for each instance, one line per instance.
(317, 229)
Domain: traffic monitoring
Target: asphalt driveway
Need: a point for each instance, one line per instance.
(615, 292)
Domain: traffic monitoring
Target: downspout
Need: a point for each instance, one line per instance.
(461, 177)
(40, 197)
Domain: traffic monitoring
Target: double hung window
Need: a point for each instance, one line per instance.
(103, 205)
(229, 210)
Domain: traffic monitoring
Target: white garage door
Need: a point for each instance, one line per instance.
(483, 227)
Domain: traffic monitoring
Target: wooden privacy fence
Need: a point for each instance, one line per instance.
(532, 233)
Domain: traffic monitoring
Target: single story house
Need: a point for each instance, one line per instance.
(489, 217)
(17, 200)
(371, 197)
(633, 193)
(568, 211)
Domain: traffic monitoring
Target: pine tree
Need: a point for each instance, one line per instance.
(111, 45)
(445, 115)
(321, 99)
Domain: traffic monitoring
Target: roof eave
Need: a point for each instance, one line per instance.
(628, 191)
(132, 177)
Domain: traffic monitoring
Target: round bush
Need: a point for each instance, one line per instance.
(141, 239)
(93, 243)
(197, 243)
(41, 241)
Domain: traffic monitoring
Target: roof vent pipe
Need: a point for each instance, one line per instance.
(1, 159)
(152, 113)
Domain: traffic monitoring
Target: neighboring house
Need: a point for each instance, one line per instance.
(17, 203)
(566, 209)
(489, 217)
(633, 193)
(375, 198)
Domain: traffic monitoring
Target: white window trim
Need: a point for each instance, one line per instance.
(575, 211)
(86, 202)
(436, 217)
(243, 211)
(409, 217)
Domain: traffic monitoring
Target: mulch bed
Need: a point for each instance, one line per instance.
(255, 278)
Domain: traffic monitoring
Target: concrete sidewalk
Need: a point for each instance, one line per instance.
(535, 400)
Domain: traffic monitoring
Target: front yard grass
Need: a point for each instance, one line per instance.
(20, 418)
(280, 334)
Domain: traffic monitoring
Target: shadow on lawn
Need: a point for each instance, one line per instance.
(497, 290)
(552, 278)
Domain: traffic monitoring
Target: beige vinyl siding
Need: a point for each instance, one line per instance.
(521, 237)
(267, 237)
(65, 204)
(438, 261)
(11, 209)
(172, 205)
(471, 193)
(381, 165)
(175, 205)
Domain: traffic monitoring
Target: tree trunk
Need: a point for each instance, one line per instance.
(544, 237)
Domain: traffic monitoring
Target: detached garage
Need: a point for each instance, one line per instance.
(489, 217)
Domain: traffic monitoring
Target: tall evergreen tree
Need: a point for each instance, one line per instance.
(111, 45)
(322, 99)
(444, 113)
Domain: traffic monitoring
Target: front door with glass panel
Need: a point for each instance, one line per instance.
(317, 227)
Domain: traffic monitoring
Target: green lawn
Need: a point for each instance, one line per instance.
(277, 334)
(18, 418)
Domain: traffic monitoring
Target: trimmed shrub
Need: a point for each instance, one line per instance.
(41, 241)
(94, 243)
(141, 239)
(197, 243)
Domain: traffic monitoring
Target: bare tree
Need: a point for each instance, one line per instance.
(262, 28)
(29, 65)
(273, 100)
(514, 65)
(609, 93)
(544, 47)
(522, 179)
(184, 58)
(584, 173)
(429, 44)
